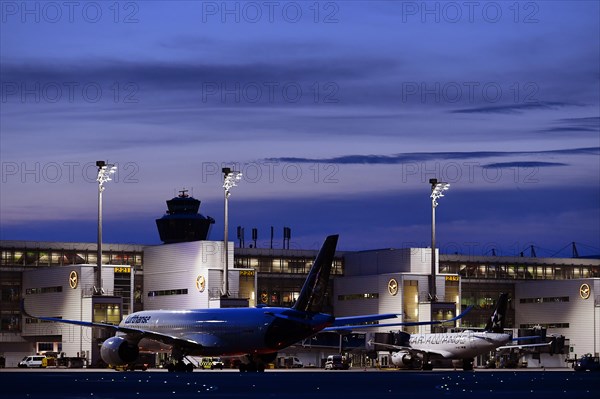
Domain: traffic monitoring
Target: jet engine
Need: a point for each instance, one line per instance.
(402, 358)
(118, 351)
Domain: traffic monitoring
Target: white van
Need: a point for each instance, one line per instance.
(33, 361)
(336, 362)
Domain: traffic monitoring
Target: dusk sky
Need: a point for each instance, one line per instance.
(338, 114)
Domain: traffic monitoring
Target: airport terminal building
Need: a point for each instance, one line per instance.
(56, 279)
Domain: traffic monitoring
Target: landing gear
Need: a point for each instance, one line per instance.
(427, 364)
(468, 364)
(252, 367)
(256, 363)
(180, 367)
(416, 363)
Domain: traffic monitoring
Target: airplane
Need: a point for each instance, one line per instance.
(417, 350)
(254, 335)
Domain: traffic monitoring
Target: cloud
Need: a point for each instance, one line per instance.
(427, 156)
(585, 124)
(515, 108)
(523, 164)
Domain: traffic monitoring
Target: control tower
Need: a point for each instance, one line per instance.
(182, 222)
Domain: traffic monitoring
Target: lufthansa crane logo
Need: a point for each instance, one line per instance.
(584, 291)
(73, 279)
(200, 283)
(393, 286)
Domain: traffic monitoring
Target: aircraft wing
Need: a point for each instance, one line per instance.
(343, 321)
(134, 332)
(413, 350)
(406, 323)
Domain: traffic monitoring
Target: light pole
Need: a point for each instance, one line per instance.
(437, 191)
(104, 172)
(230, 179)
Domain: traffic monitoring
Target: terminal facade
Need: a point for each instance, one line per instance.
(562, 295)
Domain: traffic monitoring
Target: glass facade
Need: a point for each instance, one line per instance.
(281, 274)
(512, 271)
(483, 298)
(109, 313)
(61, 257)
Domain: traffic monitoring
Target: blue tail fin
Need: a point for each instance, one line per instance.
(496, 322)
(314, 288)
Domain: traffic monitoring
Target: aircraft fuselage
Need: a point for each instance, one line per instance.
(232, 331)
(466, 344)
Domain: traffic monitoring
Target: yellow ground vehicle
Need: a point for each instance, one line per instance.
(211, 363)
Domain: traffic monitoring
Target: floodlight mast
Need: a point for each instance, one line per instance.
(104, 172)
(230, 179)
(437, 191)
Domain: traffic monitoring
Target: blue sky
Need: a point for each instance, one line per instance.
(337, 113)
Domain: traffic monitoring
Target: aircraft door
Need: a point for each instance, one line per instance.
(471, 341)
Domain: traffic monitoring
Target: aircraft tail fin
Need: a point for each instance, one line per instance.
(313, 291)
(496, 322)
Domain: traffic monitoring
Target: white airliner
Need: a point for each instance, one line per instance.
(253, 334)
(417, 350)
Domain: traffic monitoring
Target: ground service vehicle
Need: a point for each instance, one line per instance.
(587, 362)
(336, 362)
(211, 363)
(289, 362)
(33, 361)
(60, 359)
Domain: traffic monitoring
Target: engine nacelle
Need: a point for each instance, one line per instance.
(117, 351)
(402, 358)
(406, 359)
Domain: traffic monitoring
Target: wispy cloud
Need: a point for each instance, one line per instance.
(428, 156)
(514, 108)
(566, 125)
(523, 164)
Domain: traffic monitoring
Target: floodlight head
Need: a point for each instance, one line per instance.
(437, 191)
(104, 172)
(230, 180)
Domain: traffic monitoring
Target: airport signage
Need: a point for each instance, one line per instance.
(73, 279)
(201, 283)
(584, 291)
(122, 269)
(393, 286)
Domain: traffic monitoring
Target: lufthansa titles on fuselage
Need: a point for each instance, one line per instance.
(135, 319)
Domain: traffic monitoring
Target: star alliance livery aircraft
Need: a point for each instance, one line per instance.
(417, 350)
(253, 334)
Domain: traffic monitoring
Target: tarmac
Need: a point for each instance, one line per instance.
(307, 383)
